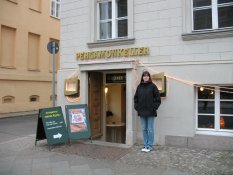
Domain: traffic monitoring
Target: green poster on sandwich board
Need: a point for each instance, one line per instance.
(77, 119)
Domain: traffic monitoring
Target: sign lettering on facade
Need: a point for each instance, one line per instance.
(127, 52)
(115, 78)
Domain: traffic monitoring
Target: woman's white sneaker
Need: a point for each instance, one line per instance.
(144, 149)
(147, 150)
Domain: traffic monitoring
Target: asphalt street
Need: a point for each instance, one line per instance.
(15, 127)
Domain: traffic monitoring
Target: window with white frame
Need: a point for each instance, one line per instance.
(215, 108)
(212, 14)
(55, 8)
(112, 19)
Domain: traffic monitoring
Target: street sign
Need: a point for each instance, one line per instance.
(51, 45)
(53, 126)
(53, 48)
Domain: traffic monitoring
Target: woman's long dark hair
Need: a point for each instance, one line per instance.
(146, 73)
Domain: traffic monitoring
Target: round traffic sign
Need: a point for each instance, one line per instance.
(51, 45)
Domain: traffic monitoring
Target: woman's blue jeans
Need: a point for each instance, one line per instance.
(147, 124)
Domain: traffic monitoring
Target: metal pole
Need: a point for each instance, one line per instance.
(53, 72)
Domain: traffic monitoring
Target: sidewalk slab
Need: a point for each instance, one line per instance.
(81, 169)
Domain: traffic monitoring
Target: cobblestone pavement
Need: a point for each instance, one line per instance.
(196, 161)
(186, 160)
(21, 156)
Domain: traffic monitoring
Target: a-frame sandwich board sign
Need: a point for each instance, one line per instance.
(51, 126)
(78, 124)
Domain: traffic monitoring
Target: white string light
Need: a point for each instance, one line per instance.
(189, 82)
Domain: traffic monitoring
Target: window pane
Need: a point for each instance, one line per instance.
(53, 8)
(122, 8)
(206, 107)
(206, 93)
(224, 1)
(200, 3)
(225, 16)
(58, 10)
(105, 10)
(226, 107)
(106, 30)
(226, 122)
(205, 121)
(202, 19)
(226, 93)
(122, 28)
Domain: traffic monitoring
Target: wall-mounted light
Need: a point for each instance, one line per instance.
(106, 90)
(161, 82)
(72, 87)
(201, 88)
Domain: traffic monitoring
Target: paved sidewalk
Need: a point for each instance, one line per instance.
(21, 157)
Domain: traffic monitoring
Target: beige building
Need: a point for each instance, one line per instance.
(26, 27)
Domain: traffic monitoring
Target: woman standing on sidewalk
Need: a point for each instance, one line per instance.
(146, 102)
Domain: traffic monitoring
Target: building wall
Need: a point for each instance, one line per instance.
(25, 64)
(186, 60)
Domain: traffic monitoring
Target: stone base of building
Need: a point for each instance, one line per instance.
(201, 141)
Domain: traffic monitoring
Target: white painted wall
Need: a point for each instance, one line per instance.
(159, 25)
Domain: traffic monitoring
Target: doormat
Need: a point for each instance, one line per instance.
(93, 151)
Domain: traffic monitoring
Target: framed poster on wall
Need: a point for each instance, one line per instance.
(78, 125)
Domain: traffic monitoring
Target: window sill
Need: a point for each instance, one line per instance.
(7, 67)
(57, 18)
(35, 10)
(13, 1)
(215, 133)
(113, 42)
(33, 70)
(220, 33)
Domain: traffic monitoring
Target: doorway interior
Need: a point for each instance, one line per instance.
(107, 105)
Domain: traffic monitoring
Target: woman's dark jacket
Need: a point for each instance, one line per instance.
(147, 99)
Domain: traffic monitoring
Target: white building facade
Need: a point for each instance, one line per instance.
(106, 45)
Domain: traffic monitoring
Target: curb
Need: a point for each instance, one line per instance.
(18, 114)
